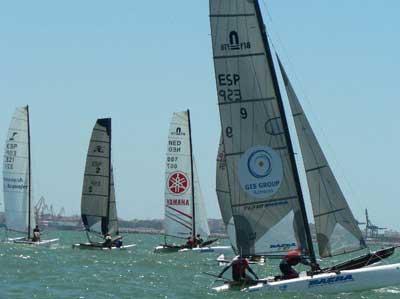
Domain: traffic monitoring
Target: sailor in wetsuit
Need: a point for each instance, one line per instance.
(107, 241)
(36, 234)
(240, 266)
(293, 258)
(198, 240)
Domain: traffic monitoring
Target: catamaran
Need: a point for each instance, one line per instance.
(258, 182)
(17, 181)
(185, 215)
(98, 206)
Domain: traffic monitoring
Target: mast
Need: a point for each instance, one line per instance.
(192, 177)
(29, 175)
(109, 176)
(287, 133)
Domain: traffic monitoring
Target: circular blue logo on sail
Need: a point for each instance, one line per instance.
(259, 164)
(260, 171)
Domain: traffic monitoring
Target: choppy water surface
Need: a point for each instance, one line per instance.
(63, 272)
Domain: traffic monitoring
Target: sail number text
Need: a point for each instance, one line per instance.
(10, 154)
(228, 87)
(172, 162)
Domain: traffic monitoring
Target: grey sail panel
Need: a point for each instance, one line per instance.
(16, 183)
(96, 183)
(113, 217)
(264, 196)
(224, 195)
(337, 230)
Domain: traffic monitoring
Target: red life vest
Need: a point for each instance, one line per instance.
(293, 257)
(239, 267)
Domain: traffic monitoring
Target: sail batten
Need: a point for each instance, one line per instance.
(184, 205)
(260, 166)
(336, 228)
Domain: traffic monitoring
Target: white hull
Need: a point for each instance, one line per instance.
(346, 281)
(90, 246)
(207, 249)
(216, 249)
(39, 243)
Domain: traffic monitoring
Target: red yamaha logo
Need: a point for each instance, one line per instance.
(178, 183)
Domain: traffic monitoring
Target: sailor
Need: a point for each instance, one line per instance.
(189, 243)
(107, 241)
(240, 266)
(118, 242)
(198, 240)
(36, 234)
(293, 258)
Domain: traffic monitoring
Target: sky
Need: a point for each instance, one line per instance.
(139, 61)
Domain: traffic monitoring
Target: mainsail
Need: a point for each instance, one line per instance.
(98, 208)
(179, 195)
(337, 230)
(18, 205)
(266, 198)
(224, 194)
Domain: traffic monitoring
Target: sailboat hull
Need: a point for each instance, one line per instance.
(92, 246)
(206, 249)
(39, 243)
(372, 277)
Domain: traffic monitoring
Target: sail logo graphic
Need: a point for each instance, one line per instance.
(178, 132)
(283, 246)
(177, 183)
(330, 280)
(260, 171)
(234, 43)
(12, 137)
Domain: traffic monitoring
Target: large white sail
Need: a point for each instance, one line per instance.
(16, 177)
(178, 195)
(336, 228)
(223, 194)
(264, 188)
(98, 208)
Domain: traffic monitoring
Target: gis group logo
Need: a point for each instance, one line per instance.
(260, 171)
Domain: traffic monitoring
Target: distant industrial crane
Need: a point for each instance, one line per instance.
(371, 230)
(43, 211)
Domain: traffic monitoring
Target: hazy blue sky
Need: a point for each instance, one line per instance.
(139, 61)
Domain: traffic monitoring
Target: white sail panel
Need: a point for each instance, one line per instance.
(178, 186)
(223, 194)
(260, 171)
(201, 220)
(96, 184)
(16, 174)
(336, 227)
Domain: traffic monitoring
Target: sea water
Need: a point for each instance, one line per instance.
(62, 272)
